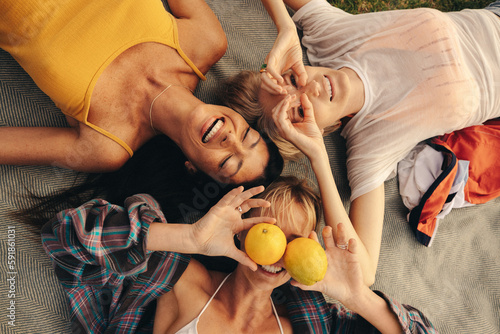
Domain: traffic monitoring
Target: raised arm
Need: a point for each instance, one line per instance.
(286, 52)
(306, 136)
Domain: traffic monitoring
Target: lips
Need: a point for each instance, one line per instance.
(272, 269)
(329, 87)
(212, 130)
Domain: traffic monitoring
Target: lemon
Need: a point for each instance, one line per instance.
(265, 243)
(305, 260)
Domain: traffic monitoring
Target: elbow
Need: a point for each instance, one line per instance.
(106, 161)
(369, 280)
(369, 276)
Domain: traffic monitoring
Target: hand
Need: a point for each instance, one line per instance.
(214, 232)
(344, 279)
(302, 132)
(286, 54)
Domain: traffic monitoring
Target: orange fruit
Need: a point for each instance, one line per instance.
(305, 260)
(265, 243)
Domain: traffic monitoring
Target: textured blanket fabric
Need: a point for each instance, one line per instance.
(455, 282)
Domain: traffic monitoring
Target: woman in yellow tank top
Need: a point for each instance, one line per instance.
(123, 72)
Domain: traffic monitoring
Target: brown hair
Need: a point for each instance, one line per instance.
(241, 92)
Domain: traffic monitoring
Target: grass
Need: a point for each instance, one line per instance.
(364, 6)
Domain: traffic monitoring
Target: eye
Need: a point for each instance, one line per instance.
(223, 163)
(301, 111)
(292, 80)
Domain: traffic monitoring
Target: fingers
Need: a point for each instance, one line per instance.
(254, 203)
(307, 107)
(314, 236)
(237, 196)
(301, 73)
(249, 222)
(353, 246)
(270, 84)
(328, 237)
(341, 239)
(242, 258)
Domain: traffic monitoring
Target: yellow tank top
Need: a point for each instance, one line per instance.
(65, 45)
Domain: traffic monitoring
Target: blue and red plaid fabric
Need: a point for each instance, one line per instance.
(112, 281)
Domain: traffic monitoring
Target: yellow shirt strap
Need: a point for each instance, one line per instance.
(112, 137)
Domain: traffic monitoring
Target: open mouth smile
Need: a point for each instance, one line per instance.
(212, 130)
(328, 87)
(272, 269)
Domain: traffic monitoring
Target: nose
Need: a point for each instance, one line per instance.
(312, 88)
(230, 141)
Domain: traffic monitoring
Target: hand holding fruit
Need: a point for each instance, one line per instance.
(213, 233)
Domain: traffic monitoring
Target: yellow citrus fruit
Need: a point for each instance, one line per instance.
(305, 260)
(265, 243)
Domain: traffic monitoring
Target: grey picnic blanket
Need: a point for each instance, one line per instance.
(456, 282)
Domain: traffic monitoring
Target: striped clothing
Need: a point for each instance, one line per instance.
(112, 281)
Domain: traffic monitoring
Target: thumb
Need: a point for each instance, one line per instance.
(307, 107)
(243, 258)
(301, 73)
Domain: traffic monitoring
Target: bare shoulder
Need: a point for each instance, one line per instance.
(200, 33)
(94, 152)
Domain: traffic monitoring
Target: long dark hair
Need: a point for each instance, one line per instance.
(157, 169)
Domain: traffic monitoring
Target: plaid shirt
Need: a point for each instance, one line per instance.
(112, 281)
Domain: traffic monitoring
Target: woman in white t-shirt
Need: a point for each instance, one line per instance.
(404, 76)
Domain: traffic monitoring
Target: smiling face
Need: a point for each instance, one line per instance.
(328, 90)
(219, 142)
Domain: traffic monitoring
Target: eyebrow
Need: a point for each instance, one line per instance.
(240, 164)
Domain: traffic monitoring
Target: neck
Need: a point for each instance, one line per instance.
(253, 302)
(171, 109)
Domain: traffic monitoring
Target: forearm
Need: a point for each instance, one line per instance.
(376, 311)
(171, 238)
(279, 14)
(334, 211)
(34, 145)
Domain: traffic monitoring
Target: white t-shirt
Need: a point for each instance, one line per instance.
(425, 72)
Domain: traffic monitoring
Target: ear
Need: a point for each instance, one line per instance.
(190, 168)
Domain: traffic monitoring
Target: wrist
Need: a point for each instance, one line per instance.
(317, 155)
(171, 238)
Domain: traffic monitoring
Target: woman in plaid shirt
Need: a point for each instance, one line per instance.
(118, 264)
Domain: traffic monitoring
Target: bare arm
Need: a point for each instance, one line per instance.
(200, 33)
(286, 52)
(366, 215)
(296, 4)
(81, 150)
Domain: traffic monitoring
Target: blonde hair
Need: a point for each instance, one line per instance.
(240, 92)
(286, 191)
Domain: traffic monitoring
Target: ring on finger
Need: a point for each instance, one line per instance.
(239, 209)
(263, 68)
(343, 246)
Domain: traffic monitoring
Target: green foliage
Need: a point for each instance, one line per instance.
(364, 6)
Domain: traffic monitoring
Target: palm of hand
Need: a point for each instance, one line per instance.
(344, 278)
(214, 232)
